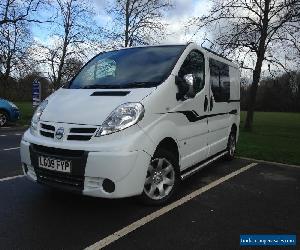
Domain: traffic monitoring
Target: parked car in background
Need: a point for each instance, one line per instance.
(9, 112)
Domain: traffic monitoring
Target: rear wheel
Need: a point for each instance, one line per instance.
(3, 118)
(231, 146)
(162, 178)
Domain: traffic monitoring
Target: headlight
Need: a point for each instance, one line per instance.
(121, 118)
(37, 114)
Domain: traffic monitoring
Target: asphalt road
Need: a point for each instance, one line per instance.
(9, 152)
(264, 199)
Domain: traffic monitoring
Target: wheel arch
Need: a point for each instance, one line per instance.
(233, 128)
(170, 144)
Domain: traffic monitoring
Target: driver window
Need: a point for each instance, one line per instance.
(194, 64)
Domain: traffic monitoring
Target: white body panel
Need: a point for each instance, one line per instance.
(77, 106)
(123, 157)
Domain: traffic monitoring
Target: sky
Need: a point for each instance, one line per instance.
(175, 19)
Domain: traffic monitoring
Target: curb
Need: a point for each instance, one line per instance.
(270, 162)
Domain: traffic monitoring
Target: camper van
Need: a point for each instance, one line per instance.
(136, 122)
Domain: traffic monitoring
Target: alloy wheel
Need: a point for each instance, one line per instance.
(232, 145)
(160, 179)
(3, 119)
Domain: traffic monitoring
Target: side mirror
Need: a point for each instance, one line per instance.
(185, 87)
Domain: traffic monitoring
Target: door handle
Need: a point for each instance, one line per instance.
(205, 103)
(211, 103)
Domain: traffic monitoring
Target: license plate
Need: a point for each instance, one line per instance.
(55, 164)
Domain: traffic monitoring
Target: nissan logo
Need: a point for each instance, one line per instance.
(59, 134)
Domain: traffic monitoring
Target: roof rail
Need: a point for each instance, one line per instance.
(217, 54)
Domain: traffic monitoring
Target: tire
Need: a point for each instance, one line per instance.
(162, 180)
(3, 118)
(231, 146)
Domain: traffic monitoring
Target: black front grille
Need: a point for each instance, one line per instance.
(81, 134)
(47, 127)
(47, 134)
(70, 181)
(79, 137)
(73, 134)
(83, 130)
(58, 179)
(47, 130)
(57, 152)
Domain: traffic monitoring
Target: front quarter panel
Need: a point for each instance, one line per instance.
(158, 107)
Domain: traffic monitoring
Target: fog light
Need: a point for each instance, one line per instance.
(108, 186)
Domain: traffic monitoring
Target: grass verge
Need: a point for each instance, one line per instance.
(26, 112)
(275, 137)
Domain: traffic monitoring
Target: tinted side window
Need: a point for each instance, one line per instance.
(219, 80)
(194, 64)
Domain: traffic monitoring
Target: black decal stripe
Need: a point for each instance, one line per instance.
(192, 116)
(195, 112)
(233, 101)
(212, 115)
(233, 112)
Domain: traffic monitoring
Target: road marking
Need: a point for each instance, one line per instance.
(11, 135)
(270, 162)
(137, 224)
(11, 178)
(8, 149)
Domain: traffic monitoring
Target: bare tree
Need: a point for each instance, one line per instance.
(137, 21)
(13, 11)
(71, 68)
(75, 36)
(254, 28)
(15, 39)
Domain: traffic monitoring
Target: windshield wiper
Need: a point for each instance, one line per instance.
(122, 86)
(139, 85)
(99, 86)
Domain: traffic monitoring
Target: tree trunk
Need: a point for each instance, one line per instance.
(67, 27)
(5, 78)
(257, 71)
(252, 95)
(127, 23)
(57, 83)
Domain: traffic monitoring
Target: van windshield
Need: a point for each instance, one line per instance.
(141, 67)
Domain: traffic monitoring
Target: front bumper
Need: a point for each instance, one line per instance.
(90, 169)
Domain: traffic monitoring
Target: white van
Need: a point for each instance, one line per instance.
(135, 122)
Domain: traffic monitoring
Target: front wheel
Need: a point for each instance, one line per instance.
(231, 146)
(162, 179)
(3, 118)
